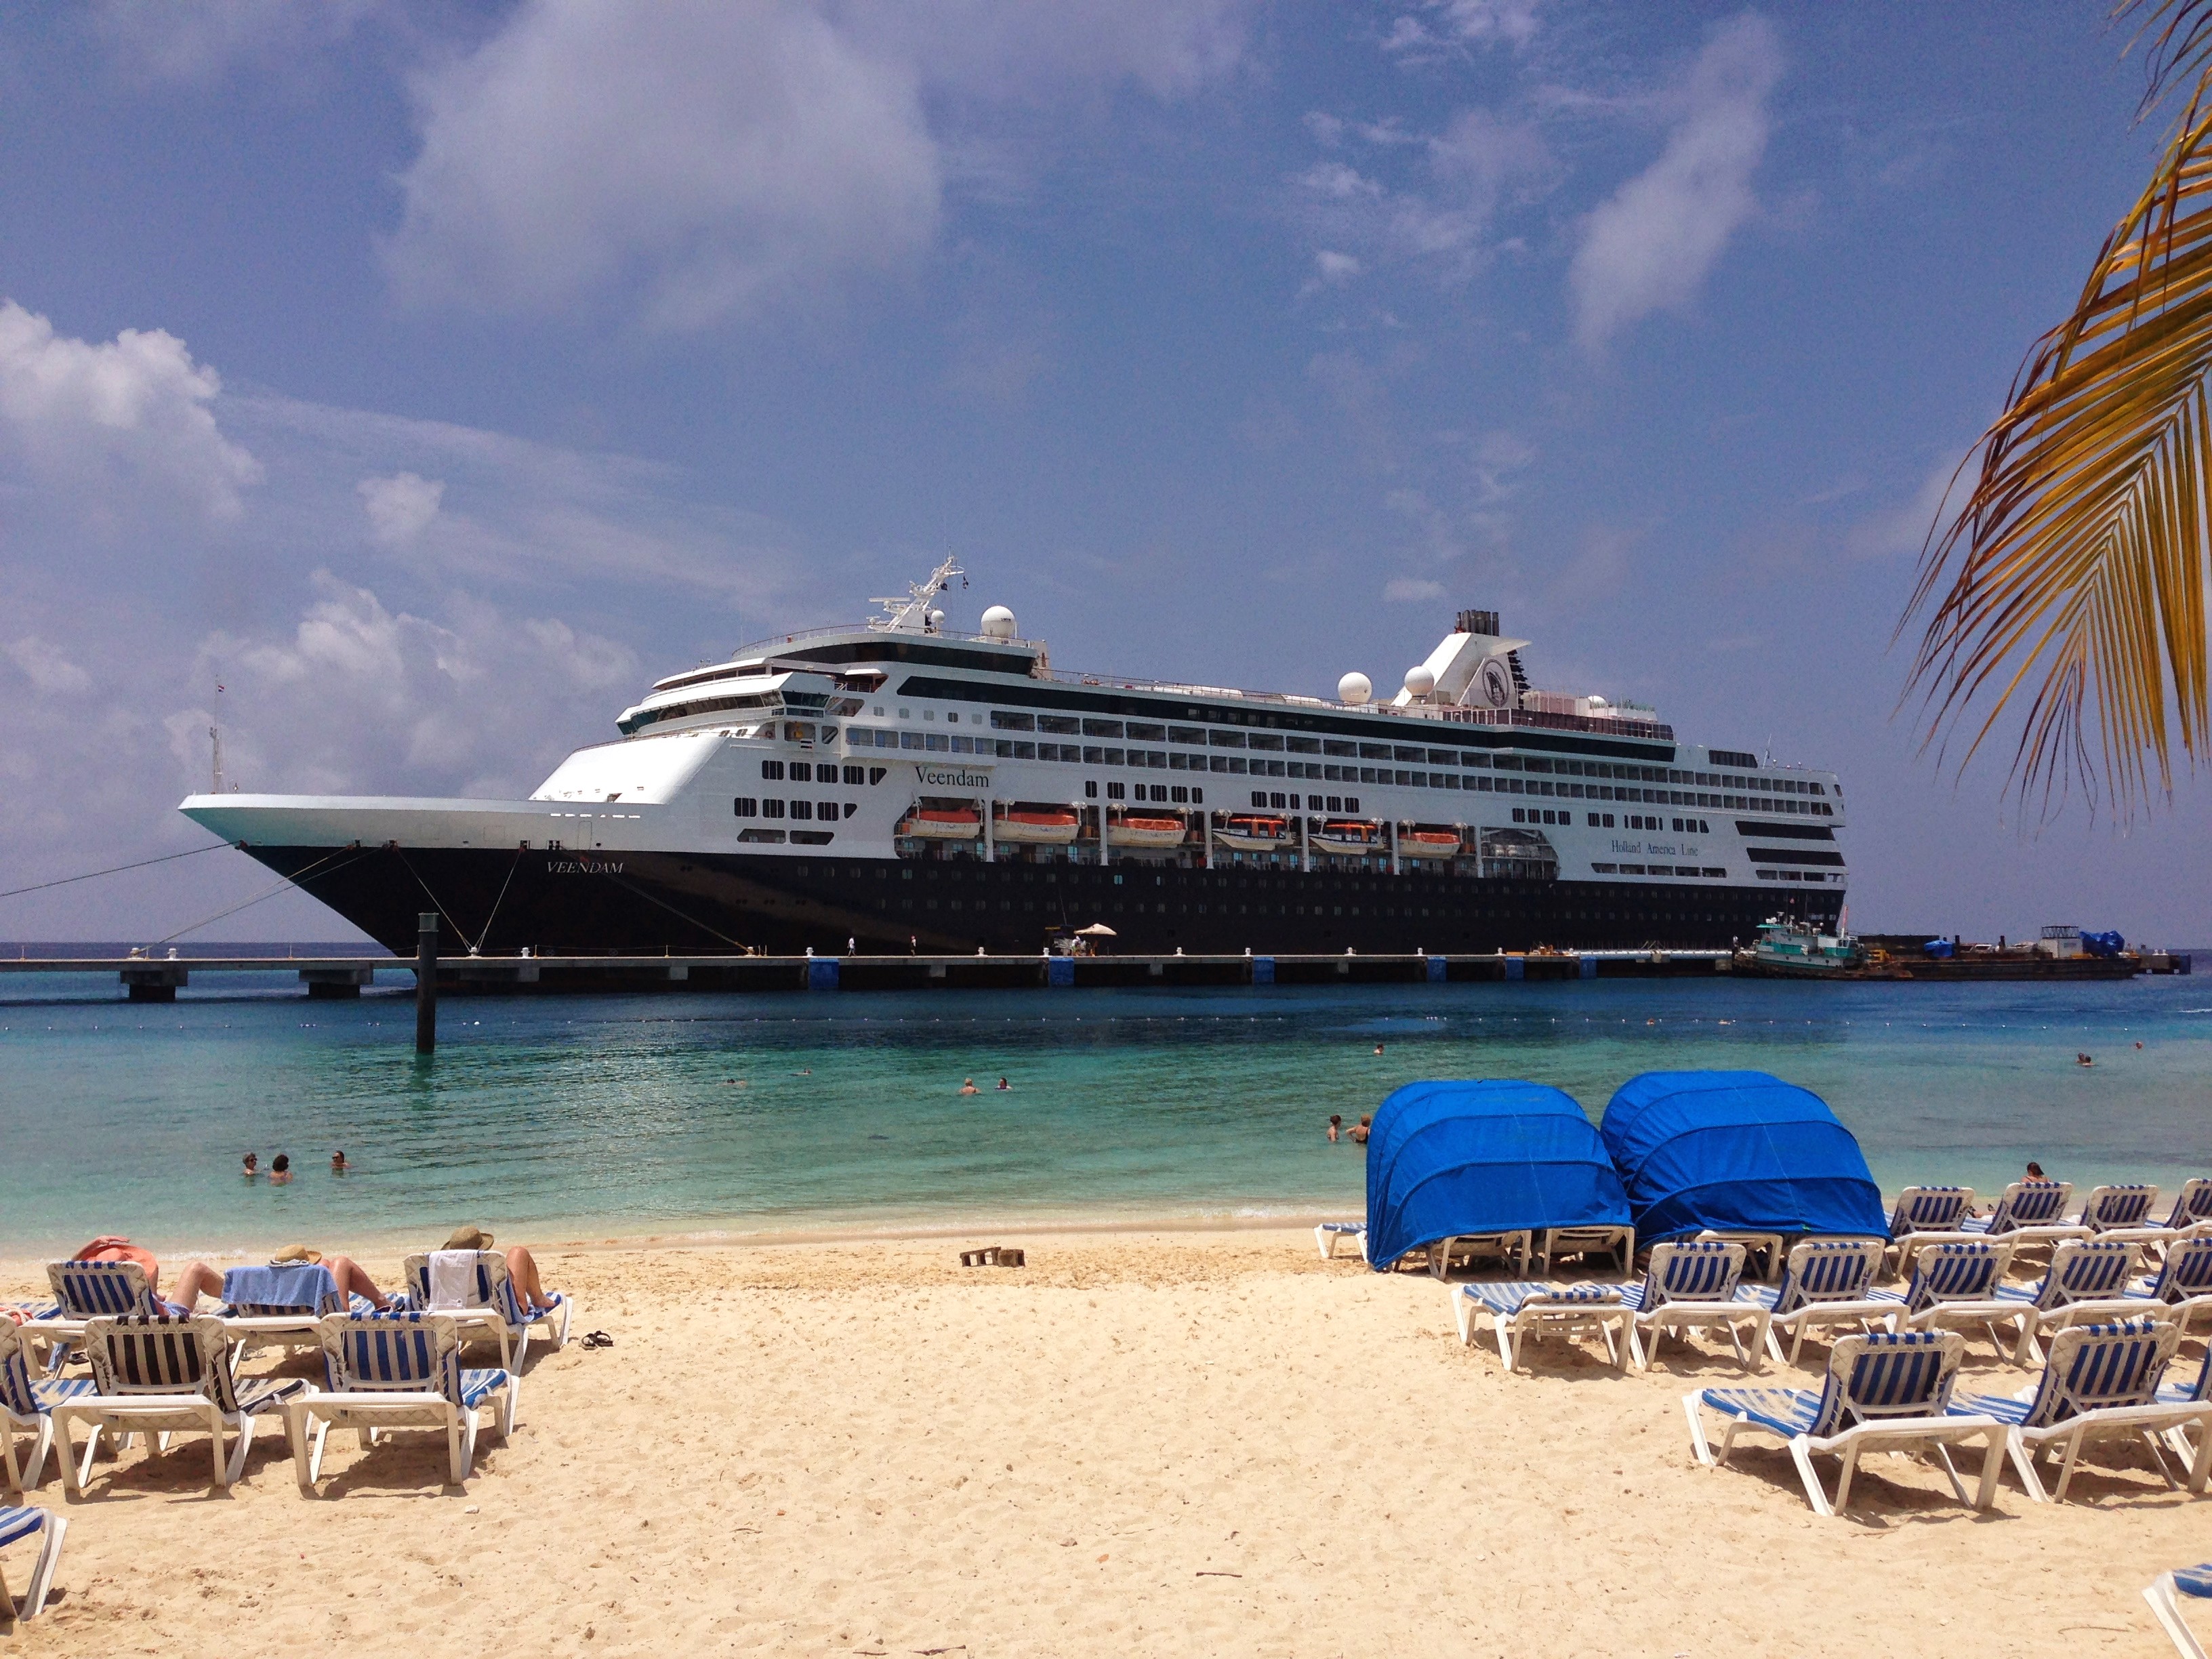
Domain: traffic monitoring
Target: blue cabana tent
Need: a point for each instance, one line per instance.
(1740, 1151)
(1451, 1159)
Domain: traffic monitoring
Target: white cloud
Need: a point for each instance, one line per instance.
(1650, 245)
(400, 508)
(1904, 528)
(1335, 269)
(187, 39)
(45, 666)
(1411, 589)
(128, 417)
(1444, 23)
(723, 156)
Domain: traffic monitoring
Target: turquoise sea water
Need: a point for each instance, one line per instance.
(608, 1116)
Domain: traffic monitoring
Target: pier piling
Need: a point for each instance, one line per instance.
(426, 982)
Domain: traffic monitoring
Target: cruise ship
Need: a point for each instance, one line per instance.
(898, 785)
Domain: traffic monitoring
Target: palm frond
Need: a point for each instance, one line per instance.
(2074, 574)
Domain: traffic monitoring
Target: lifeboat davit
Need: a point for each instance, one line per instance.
(1253, 832)
(1428, 844)
(1135, 831)
(1348, 836)
(944, 824)
(1054, 826)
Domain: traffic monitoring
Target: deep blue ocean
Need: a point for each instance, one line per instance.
(568, 1117)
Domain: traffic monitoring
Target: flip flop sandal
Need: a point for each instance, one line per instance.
(598, 1339)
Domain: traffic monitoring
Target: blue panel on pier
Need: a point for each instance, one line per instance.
(822, 973)
(1263, 971)
(1436, 970)
(1060, 970)
(1589, 967)
(1513, 967)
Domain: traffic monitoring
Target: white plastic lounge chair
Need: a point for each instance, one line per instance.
(1556, 1241)
(2196, 1392)
(2030, 1213)
(2181, 1290)
(1929, 1210)
(159, 1374)
(1953, 1284)
(1514, 1247)
(1884, 1392)
(27, 1402)
(2164, 1593)
(1326, 1235)
(1825, 1282)
(2101, 1381)
(495, 1306)
(2191, 1205)
(1693, 1283)
(2081, 1271)
(19, 1523)
(1521, 1310)
(92, 1289)
(396, 1370)
(2117, 1207)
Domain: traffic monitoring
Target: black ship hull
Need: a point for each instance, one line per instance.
(499, 902)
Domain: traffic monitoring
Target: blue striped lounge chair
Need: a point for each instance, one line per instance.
(494, 1306)
(1953, 1284)
(1929, 1210)
(1693, 1283)
(27, 1404)
(2181, 1290)
(93, 1290)
(1885, 1391)
(2030, 1213)
(1825, 1282)
(2101, 1381)
(2124, 1208)
(1515, 1248)
(2191, 1205)
(17, 1525)
(160, 1374)
(2081, 1270)
(1327, 1235)
(2164, 1593)
(397, 1370)
(1521, 1310)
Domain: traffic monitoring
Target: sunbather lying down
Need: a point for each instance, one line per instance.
(521, 1267)
(198, 1279)
(112, 1247)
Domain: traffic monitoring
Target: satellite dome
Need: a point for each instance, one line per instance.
(937, 619)
(1419, 682)
(1354, 687)
(998, 623)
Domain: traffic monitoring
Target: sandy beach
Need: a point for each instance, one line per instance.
(1205, 1442)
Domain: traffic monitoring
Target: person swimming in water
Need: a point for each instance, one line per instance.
(338, 1165)
(969, 1088)
(280, 1169)
(1336, 1125)
(252, 1165)
(1361, 1130)
(1005, 1087)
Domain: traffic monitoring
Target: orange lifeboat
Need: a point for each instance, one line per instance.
(1428, 844)
(1054, 826)
(1351, 836)
(1255, 832)
(1145, 829)
(944, 824)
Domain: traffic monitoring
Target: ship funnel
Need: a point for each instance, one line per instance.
(1478, 622)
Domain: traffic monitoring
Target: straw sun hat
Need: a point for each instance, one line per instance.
(296, 1253)
(469, 1239)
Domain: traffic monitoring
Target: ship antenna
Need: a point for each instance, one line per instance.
(910, 615)
(215, 744)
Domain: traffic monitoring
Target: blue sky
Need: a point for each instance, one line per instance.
(432, 379)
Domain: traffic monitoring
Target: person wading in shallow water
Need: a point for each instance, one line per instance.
(1361, 1130)
(1336, 1125)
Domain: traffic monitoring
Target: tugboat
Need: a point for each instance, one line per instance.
(1796, 949)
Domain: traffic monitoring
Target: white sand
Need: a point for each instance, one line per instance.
(1174, 1442)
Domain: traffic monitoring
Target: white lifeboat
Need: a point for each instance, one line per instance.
(1051, 826)
(1146, 829)
(1255, 832)
(1428, 843)
(943, 824)
(1353, 837)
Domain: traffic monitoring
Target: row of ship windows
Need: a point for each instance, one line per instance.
(1237, 764)
(1069, 725)
(823, 772)
(745, 806)
(1604, 821)
(1658, 870)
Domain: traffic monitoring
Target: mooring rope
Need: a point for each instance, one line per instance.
(40, 886)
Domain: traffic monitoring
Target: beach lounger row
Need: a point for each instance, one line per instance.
(161, 1375)
(1535, 1246)
(1894, 1391)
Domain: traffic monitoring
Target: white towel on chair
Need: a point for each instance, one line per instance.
(453, 1279)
